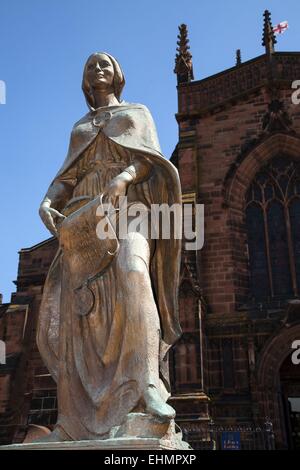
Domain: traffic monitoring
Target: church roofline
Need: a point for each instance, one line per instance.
(216, 91)
(235, 68)
(38, 245)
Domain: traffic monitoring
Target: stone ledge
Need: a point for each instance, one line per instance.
(106, 444)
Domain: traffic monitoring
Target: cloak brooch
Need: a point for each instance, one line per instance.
(102, 119)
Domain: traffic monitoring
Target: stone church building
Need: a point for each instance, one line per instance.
(238, 153)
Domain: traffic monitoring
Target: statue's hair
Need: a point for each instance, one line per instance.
(118, 82)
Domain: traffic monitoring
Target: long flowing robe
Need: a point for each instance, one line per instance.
(97, 359)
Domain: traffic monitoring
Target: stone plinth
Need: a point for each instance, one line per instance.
(107, 444)
(139, 431)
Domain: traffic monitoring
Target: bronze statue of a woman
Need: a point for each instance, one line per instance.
(111, 361)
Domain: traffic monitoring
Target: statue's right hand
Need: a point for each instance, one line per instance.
(48, 215)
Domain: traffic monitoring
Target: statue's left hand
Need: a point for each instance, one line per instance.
(51, 217)
(117, 187)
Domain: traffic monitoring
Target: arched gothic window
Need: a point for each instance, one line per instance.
(185, 357)
(186, 364)
(273, 229)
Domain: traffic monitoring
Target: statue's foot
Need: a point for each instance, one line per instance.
(57, 435)
(156, 406)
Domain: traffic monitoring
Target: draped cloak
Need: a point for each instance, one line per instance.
(129, 126)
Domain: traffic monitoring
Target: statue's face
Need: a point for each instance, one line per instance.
(100, 72)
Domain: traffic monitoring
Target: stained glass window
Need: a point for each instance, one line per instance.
(273, 229)
(257, 251)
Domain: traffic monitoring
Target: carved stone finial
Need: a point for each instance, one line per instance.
(238, 57)
(268, 39)
(183, 60)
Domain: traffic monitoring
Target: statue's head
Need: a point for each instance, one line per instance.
(103, 72)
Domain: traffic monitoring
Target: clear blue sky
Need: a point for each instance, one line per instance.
(43, 47)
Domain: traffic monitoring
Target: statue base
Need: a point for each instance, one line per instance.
(138, 432)
(120, 443)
